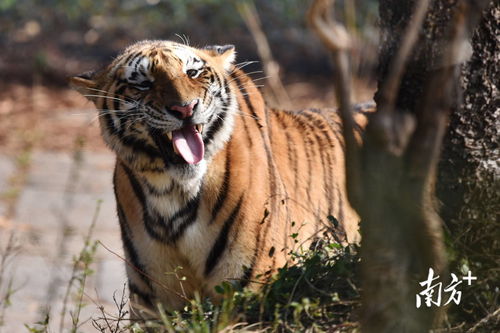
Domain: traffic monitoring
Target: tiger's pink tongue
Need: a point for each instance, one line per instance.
(189, 144)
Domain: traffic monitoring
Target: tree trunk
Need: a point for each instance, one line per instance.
(401, 231)
(469, 174)
(391, 178)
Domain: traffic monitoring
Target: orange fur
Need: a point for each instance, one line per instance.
(273, 174)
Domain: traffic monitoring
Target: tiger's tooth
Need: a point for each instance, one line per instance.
(175, 150)
(169, 134)
(199, 128)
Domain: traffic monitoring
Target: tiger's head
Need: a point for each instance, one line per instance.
(164, 105)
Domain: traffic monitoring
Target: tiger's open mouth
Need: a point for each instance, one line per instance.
(181, 146)
(188, 143)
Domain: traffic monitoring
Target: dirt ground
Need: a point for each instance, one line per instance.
(38, 117)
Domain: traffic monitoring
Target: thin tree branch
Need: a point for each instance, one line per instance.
(491, 320)
(251, 18)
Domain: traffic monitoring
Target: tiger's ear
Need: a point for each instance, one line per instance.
(85, 84)
(224, 53)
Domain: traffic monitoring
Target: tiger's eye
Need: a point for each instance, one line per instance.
(192, 73)
(145, 85)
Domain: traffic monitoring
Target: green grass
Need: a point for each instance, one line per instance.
(318, 292)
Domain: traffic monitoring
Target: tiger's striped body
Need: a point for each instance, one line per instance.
(265, 174)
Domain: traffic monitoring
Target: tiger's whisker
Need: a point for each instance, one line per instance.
(108, 97)
(244, 64)
(104, 91)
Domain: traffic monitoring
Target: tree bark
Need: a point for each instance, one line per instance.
(401, 231)
(469, 174)
(391, 177)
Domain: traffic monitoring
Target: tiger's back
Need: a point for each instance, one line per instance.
(264, 186)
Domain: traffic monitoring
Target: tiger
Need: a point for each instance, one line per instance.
(211, 184)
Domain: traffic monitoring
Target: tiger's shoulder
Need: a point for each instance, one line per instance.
(312, 120)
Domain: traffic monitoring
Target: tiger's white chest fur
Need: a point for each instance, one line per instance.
(185, 235)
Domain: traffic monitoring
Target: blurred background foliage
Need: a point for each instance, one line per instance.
(57, 38)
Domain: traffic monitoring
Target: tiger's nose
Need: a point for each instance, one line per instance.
(185, 110)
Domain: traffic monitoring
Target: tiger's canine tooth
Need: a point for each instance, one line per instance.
(199, 128)
(169, 135)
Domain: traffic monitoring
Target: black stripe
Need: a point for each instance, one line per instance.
(157, 192)
(226, 88)
(140, 145)
(293, 158)
(150, 169)
(145, 297)
(336, 132)
(291, 147)
(330, 155)
(192, 207)
(109, 122)
(217, 125)
(127, 240)
(116, 105)
(150, 222)
(205, 92)
(108, 105)
(317, 124)
(154, 226)
(167, 231)
(307, 145)
(341, 207)
(270, 162)
(245, 127)
(248, 272)
(139, 193)
(227, 91)
(221, 241)
(324, 147)
(273, 178)
(243, 91)
(174, 237)
(116, 100)
(130, 248)
(224, 188)
(272, 175)
(219, 82)
(137, 60)
(129, 57)
(330, 180)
